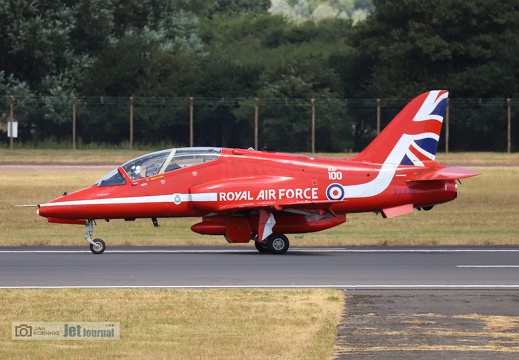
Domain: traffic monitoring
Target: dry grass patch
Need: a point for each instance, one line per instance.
(501, 326)
(183, 324)
(484, 213)
(478, 158)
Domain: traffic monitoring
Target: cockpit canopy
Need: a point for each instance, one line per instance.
(160, 162)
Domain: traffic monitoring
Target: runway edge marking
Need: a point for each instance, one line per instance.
(330, 286)
(205, 251)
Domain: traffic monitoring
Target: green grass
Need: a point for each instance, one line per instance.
(179, 324)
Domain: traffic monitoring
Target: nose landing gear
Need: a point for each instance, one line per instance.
(97, 246)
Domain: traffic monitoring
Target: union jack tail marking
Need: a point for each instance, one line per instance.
(412, 136)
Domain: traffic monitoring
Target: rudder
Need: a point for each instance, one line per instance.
(412, 136)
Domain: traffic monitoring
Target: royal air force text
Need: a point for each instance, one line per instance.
(270, 194)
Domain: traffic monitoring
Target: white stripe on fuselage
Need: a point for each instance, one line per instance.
(138, 200)
(372, 188)
(388, 169)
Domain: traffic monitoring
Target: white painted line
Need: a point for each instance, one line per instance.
(488, 266)
(230, 250)
(44, 251)
(288, 286)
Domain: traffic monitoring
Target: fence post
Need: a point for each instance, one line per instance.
(191, 122)
(74, 123)
(509, 126)
(313, 126)
(447, 126)
(256, 123)
(378, 116)
(131, 122)
(11, 118)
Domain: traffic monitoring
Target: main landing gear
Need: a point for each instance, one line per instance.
(97, 246)
(274, 244)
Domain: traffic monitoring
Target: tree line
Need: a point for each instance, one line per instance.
(238, 50)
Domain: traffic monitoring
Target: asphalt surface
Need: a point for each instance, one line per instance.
(345, 268)
(400, 303)
(429, 324)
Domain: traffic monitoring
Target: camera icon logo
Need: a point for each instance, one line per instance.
(23, 330)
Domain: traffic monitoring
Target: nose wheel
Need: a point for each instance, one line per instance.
(97, 246)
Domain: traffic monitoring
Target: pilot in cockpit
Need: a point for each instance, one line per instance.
(135, 172)
(152, 169)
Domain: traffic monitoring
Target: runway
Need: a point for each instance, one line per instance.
(243, 267)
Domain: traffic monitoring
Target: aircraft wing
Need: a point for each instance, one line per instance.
(446, 173)
(271, 193)
(310, 206)
(273, 205)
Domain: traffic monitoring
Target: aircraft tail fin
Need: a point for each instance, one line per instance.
(412, 136)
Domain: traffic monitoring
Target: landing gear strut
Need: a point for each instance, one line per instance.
(275, 244)
(97, 246)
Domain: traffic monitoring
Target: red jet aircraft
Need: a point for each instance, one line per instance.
(255, 195)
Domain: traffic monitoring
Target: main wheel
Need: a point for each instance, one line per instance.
(278, 243)
(262, 247)
(99, 246)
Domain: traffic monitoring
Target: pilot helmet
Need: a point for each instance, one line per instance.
(136, 169)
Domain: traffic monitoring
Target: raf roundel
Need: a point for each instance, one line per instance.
(335, 192)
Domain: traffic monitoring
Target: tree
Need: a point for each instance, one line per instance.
(241, 7)
(470, 47)
(36, 44)
(319, 10)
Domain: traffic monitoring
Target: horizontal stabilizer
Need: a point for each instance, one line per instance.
(447, 173)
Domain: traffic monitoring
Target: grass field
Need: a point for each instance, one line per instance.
(484, 213)
(178, 324)
(116, 157)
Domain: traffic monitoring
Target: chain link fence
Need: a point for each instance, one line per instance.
(297, 125)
